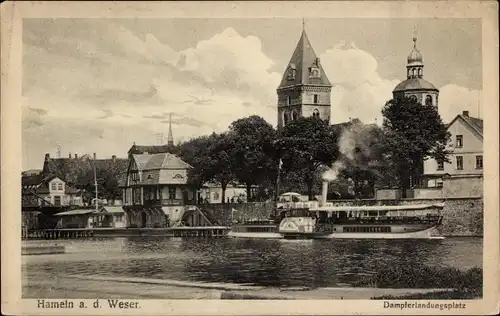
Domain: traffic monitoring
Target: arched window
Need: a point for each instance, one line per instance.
(316, 113)
(413, 73)
(413, 98)
(286, 118)
(294, 116)
(428, 100)
(420, 72)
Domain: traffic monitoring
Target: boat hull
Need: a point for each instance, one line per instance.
(429, 233)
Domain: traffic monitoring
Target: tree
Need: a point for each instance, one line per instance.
(220, 168)
(413, 133)
(306, 144)
(252, 155)
(194, 152)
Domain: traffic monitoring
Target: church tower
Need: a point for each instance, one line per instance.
(170, 137)
(415, 86)
(304, 89)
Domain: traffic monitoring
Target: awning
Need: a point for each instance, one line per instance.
(76, 212)
(112, 210)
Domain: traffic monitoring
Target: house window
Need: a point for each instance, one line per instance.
(288, 100)
(171, 193)
(413, 98)
(59, 186)
(479, 162)
(316, 99)
(428, 100)
(57, 200)
(460, 163)
(460, 141)
(216, 196)
(53, 187)
(316, 113)
(294, 115)
(440, 164)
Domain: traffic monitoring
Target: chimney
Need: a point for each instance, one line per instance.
(94, 156)
(324, 193)
(114, 158)
(465, 113)
(47, 156)
(317, 61)
(76, 156)
(69, 155)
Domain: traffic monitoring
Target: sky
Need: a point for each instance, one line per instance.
(99, 85)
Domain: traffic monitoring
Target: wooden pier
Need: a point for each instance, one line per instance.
(81, 233)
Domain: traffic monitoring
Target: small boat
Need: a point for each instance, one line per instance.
(418, 221)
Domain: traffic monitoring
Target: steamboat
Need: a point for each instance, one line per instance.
(322, 220)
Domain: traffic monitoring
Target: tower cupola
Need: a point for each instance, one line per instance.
(415, 65)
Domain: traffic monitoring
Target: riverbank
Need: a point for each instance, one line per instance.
(87, 287)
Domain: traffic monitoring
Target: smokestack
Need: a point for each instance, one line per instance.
(324, 193)
(94, 156)
(114, 158)
(69, 155)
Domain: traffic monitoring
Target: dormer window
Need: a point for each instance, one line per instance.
(428, 100)
(291, 72)
(314, 72)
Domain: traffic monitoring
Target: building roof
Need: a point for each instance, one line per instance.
(302, 59)
(76, 212)
(152, 149)
(31, 172)
(415, 84)
(343, 125)
(69, 169)
(476, 124)
(160, 161)
(112, 209)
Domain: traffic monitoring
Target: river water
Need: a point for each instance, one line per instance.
(313, 263)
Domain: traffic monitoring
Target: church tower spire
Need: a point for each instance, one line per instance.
(415, 65)
(304, 89)
(170, 137)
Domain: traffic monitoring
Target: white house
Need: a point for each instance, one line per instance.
(463, 175)
(53, 190)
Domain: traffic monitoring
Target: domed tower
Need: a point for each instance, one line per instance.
(415, 86)
(304, 89)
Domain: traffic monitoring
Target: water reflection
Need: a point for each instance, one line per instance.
(318, 263)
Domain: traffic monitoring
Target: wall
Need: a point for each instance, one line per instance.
(463, 187)
(223, 213)
(215, 193)
(388, 194)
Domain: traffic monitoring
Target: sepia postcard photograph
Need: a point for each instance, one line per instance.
(264, 158)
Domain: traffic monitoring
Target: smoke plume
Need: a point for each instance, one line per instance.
(352, 142)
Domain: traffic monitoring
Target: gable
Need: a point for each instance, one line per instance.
(472, 140)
